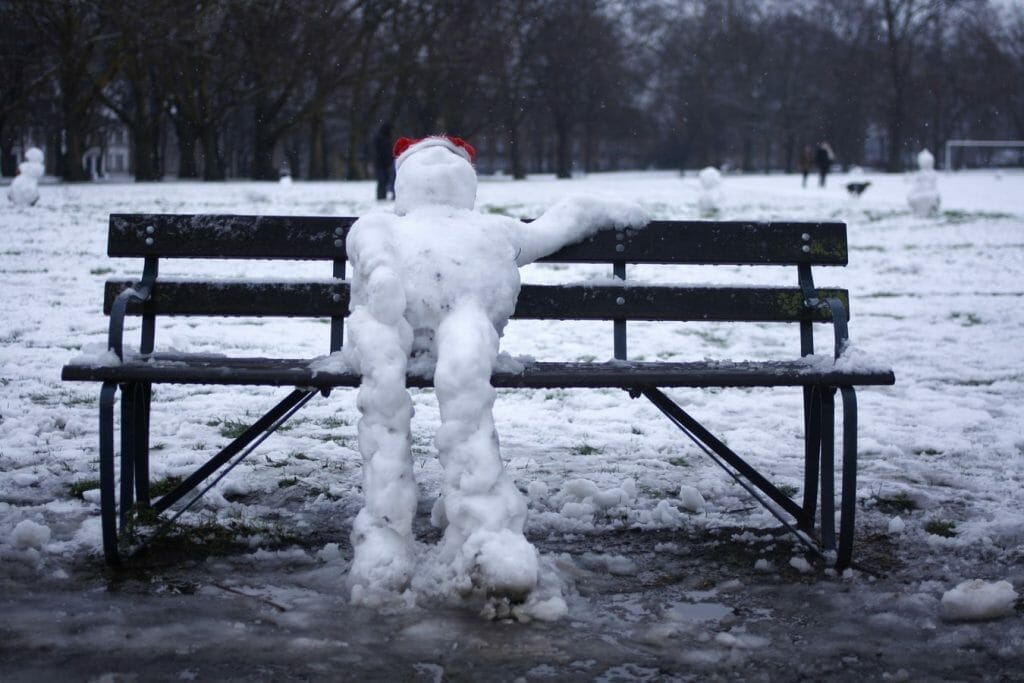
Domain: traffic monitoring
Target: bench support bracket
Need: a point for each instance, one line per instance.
(819, 464)
(134, 471)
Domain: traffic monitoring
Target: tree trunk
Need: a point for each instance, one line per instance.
(563, 149)
(145, 156)
(188, 140)
(317, 148)
(71, 155)
(213, 159)
(515, 154)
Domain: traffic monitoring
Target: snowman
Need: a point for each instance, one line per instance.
(923, 197)
(433, 286)
(24, 190)
(710, 197)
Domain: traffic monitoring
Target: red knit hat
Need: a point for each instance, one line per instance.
(407, 146)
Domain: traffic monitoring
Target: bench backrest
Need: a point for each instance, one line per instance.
(801, 244)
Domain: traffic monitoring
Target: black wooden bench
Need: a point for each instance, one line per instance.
(798, 245)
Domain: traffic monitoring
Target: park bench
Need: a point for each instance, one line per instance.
(796, 245)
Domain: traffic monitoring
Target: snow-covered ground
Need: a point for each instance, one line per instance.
(659, 586)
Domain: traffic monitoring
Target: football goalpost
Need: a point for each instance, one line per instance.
(981, 144)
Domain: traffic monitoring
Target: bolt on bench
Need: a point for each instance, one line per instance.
(799, 245)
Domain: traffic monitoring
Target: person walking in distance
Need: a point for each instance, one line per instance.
(383, 162)
(823, 157)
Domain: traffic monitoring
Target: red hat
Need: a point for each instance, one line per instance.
(407, 146)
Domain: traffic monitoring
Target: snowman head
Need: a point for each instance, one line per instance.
(925, 160)
(434, 171)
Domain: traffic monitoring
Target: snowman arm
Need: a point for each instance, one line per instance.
(375, 280)
(573, 219)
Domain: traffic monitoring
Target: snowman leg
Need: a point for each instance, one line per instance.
(382, 531)
(485, 511)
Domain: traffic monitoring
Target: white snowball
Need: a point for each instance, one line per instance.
(800, 564)
(978, 600)
(691, 499)
(896, 525)
(28, 534)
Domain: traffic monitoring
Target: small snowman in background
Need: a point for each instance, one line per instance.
(924, 197)
(285, 173)
(24, 189)
(710, 199)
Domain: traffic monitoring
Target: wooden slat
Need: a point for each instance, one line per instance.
(227, 236)
(714, 243)
(312, 299)
(199, 369)
(546, 302)
(296, 237)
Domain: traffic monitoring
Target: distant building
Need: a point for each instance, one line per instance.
(110, 159)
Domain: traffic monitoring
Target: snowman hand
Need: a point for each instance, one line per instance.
(573, 219)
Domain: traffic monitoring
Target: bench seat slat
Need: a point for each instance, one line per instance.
(323, 238)
(541, 302)
(176, 368)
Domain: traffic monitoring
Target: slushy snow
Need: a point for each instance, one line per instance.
(979, 600)
(435, 283)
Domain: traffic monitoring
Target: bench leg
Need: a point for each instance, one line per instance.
(828, 486)
(812, 454)
(848, 482)
(108, 502)
(848, 505)
(135, 406)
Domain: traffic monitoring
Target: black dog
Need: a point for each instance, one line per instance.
(857, 189)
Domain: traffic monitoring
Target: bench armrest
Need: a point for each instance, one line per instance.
(839, 325)
(115, 337)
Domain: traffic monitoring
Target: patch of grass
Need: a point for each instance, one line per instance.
(679, 462)
(928, 451)
(161, 487)
(333, 422)
(230, 429)
(956, 217)
(78, 488)
(966, 319)
(586, 449)
(287, 482)
(101, 271)
(941, 527)
(342, 441)
(787, 490)
(207, 536)
(895, 504)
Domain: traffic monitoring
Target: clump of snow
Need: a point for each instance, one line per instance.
(800, 564)
(29, 534)
(896, 526)
(433, 288)
(24, 190)
(923, 197)
(691, 499)
(978, 600)
(710, 199)
(763, 565)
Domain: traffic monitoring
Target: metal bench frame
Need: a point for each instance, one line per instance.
(802, 244)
